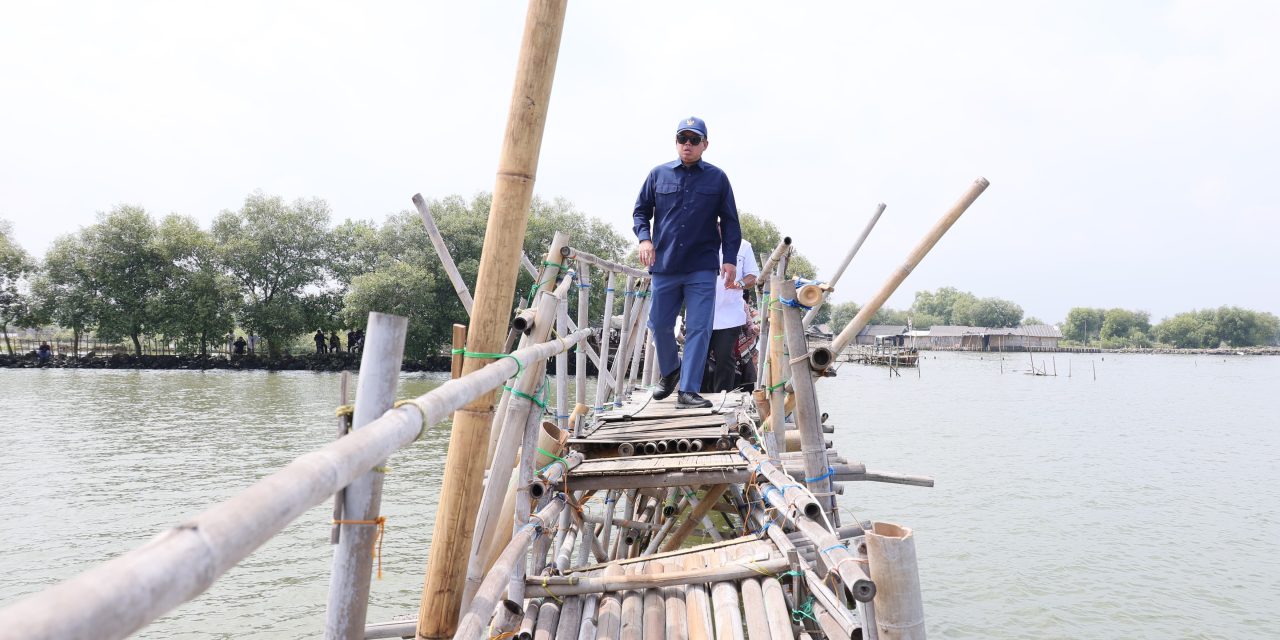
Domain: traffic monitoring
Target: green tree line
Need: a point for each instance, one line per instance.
(280, 270)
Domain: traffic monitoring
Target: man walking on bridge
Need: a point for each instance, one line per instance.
(675, 219)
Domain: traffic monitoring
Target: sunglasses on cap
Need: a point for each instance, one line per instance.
(691, 138)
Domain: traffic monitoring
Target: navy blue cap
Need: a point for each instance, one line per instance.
(693, 124)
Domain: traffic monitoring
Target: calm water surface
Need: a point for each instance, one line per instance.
(1140, 504)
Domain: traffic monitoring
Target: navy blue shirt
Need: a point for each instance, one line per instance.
(684, 204)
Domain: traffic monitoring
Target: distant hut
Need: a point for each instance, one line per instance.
(868, 334)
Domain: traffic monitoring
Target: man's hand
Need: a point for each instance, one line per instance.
(646, 253)
(730, 275)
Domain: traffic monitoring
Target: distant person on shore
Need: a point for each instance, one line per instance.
(239, 345)
(44, 353)
(319, 338)
(675, 219)
(358, 345)
(335, 343)
(253, 343)
(351, 340)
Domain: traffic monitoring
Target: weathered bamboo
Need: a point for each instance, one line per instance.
(614, 267)
(580, 363)
(495, 286)
(590, 617)
(459, 343)
(776, 256)
(459, 285)
(122, 595)
(777, 391)
(624, 331)
(708, 500)
(697, 608)
(779, 614)
(524, 502)
(567, 627)
(519, 410)
(899, 608)
(705, 520)
(728, 614)
(486, 596)
(633, 613)
(655, 541)
(833, 554)
(609, 620)
(348, 602)
(610, 505)
(528, 621)
(753, 608)
(673, 603)
(562, 366)
(603, 366)
(808, 417)
(866, 231)
(344, 425)
(548, 620)
(655, 610)
(650, 362)
(860, 321)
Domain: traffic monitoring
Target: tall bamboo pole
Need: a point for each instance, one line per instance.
(584, 308)
(495, 287)
(602, 391)
(353, 555)
(866, 231)
(808, 416)
(860, 321)
(562, 366)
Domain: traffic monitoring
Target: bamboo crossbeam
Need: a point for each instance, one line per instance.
(863, 318)
(866, 231)
(486, 597)
(122, 595)
(446, 259)
(709, 500)
(607, 265)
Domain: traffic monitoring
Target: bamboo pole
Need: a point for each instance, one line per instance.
(899, 608)
(708, 500)
(584, 308)
(122, 595)
(728, 614)
(866, 231)
(519, 410)
(486, 596)
(860, 321)
(777, 255)
(655, 610)
(808, 417)
(775, 603)
(633, 613)
(697, 609)
(348, 602)
(495, 286)
(673, 602)
(753, 608)
(603, 366)
(459, 343)
(590, 617)
(343, 427)
(609, 620)
(459, 285)
(562, 366)
(614, 267)
(548, 620)
(524, 502)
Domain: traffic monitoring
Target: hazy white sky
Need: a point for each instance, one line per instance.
(1131, 146)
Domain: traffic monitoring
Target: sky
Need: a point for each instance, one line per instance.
(1131, 147)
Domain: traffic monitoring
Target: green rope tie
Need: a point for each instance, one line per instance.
(495, 356)
(553, 264)
(805, 611)
(553, 457)
(775, 387)
(520, 394)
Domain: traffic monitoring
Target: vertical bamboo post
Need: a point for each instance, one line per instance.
(353, 555)
(601, 389)
(459, 343)
(335, 532)
(562, 366)
(863, 318)
(584, 308)
(866, 231)
(808, 416)
(777, 384)
(891, 555)
(495, 287)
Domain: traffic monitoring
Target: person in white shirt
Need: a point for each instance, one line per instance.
(730, 317)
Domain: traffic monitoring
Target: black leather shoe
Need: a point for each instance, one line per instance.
(691, 400)
(667, 385)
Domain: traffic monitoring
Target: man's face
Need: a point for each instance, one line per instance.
(690, 145)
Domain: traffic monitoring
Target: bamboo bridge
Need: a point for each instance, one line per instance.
(583, 514)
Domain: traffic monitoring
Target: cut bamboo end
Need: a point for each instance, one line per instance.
(809, 295)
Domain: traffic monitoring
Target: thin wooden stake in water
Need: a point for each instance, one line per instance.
(334, 533)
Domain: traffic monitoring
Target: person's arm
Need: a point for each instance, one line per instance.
(750, 270)
(730, 232)
(641, 217)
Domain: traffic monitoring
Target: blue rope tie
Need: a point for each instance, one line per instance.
(835, 546)
(830, 472)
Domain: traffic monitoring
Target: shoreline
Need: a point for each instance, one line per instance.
(305, 362)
